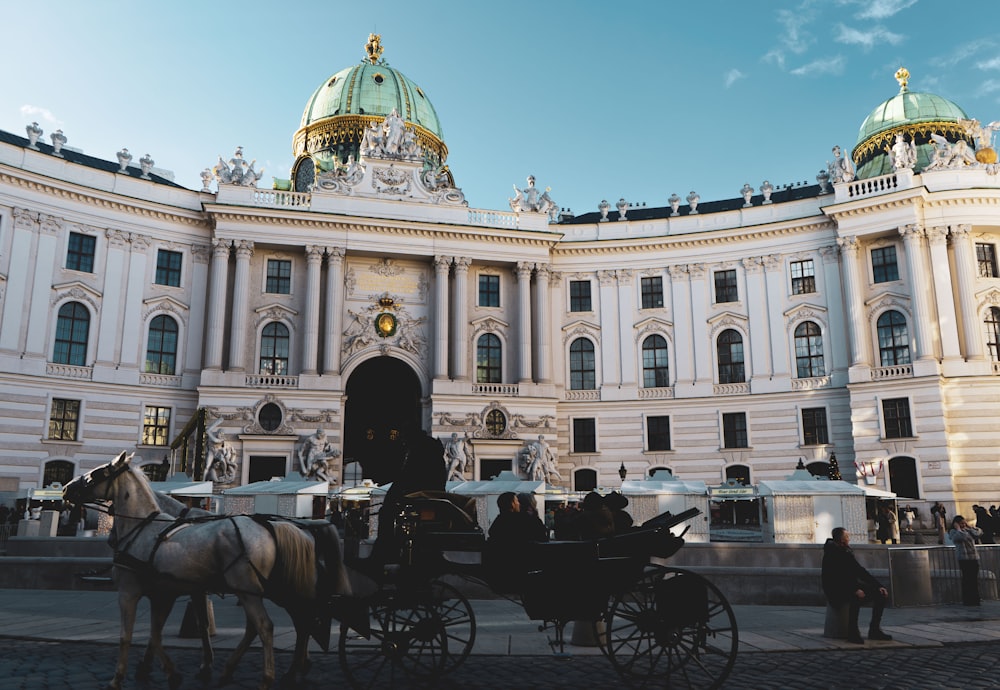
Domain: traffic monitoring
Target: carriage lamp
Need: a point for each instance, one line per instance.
(622, 471)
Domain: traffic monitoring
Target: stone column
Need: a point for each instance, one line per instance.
(334, 312)
(310, 334)
(111, 302)
(543, 312)
(523, 271)
(609, 372)
(17, 287)
(937, 237)
(626, 334)
(442, 266)
(913, 241)
(193, 354)
(704, 347)
(835, 340)
(757, 319)
(217, 302)
(131, 326)
(680, 308)
(965, 275)
(241, 287)
(850, 248)
(460, 323)
(38, 341)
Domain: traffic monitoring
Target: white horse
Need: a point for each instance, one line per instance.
(161, 558)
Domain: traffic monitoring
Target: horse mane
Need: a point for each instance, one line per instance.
(296, 559)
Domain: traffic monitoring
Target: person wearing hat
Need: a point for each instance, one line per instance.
(964, 538)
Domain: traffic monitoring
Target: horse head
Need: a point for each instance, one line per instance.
(98, 484)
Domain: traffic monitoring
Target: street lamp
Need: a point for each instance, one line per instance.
(622, 471)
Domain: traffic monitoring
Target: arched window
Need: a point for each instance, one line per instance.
(61, 471)
(992, 324)
(488, 359)
(582, 376)
(585, 480)
(893, 339)
(274, 349)
(808, 350)
(819, 469)
(730, 349)
(72, 332)
(655, 368)
(741, 473)
(161, 346)
(903, 477)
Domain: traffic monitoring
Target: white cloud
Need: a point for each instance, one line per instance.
(775, 56)
(796, 38)
(963, 52)
(990, 85)
(880, 9)
(833, 65)
(992, 63)
(866, 39)
(37, 113)
(733, 76)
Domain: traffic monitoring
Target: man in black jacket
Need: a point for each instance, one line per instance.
(847, 582)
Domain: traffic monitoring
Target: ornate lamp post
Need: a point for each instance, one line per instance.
(622, 471)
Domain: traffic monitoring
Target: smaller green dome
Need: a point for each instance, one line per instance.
(914, 114)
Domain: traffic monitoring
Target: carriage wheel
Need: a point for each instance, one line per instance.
(675, 625)
(417, 634)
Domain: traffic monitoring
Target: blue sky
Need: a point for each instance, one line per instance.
(598, 100)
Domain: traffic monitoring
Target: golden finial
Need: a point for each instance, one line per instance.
(903, 77)
(374, 47)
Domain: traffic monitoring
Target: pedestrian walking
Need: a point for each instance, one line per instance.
(964, 537)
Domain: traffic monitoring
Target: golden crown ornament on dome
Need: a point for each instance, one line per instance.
(374, 48)
(903, 77)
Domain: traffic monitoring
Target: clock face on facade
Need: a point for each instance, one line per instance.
(385, 325)
(496, 423)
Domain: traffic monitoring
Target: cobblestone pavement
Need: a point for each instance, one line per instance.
(33, 665)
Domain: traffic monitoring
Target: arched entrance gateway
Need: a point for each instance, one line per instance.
(383, 401)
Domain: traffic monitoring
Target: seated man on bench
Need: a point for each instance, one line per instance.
(847, 583)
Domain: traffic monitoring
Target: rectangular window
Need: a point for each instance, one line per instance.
(585, 435)
(658, 433)
(734, 430)
(986, 258)
(814, 426)
(156, 426)
(80, 253)
(64, 419)
(168, 268)
(279, 277)
(884, 267)
(579, 295)
(489, 291)
(896, 415)
(725, 286)
(652, 292)
(803, 277)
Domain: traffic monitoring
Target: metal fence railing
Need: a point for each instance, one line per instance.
(930, 574)
(6, 529)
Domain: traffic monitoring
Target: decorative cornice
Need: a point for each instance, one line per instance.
(106, 203)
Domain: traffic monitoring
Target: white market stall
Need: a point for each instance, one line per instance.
(291, 496)
(656, 495)
(804, 509)
(190, 492)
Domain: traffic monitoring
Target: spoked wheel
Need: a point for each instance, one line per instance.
(418, 633)
(673, 626)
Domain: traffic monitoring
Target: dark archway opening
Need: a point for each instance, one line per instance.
(903, 477)
(383, 402)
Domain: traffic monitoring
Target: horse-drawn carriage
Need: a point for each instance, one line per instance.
(656, 624)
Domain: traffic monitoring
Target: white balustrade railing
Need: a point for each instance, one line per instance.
(583, 395)
(271, 381)
(731, 388)
(68, 371)
(860, 189)
(656, 393)
(160, 380)
(508, 389)
(492, 219)
(273, 198)
(899, 371)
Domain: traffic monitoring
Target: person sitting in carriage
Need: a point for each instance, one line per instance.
(511, 531)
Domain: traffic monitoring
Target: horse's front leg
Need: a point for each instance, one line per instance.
(300, 659)
(159, 610)
(257, 615)
(249, 634)
(200, 604)
(128, 601)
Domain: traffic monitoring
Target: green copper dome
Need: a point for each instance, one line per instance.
(915, 115)
(345, 105)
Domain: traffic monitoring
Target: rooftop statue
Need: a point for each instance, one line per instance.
(390, 138)
(529, 199)
(237, 172)
(314, 456)
(949, 156)
(839, 168)
(903, 154)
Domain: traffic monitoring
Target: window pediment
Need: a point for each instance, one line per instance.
(77, 291)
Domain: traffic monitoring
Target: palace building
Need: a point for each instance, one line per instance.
(363, 297)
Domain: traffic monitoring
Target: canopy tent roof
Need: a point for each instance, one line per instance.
(786, 487)
(294, 483)
(182, 485)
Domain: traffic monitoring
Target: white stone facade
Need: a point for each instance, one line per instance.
(829, 267)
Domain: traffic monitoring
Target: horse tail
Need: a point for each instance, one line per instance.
(296, 559)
